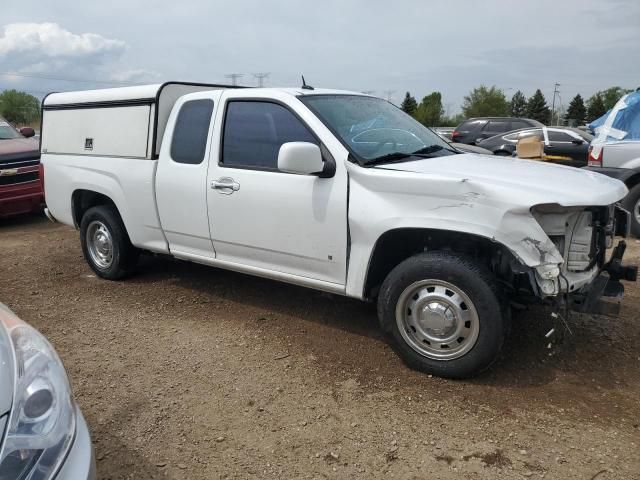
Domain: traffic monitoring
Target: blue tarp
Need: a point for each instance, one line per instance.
(598, 122)
(623, 122)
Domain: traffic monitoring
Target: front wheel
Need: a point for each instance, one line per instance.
(442, 314)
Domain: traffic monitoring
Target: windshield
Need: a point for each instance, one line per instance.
(374, 130)
(7, 132)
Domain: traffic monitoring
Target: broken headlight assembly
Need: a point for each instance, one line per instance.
(42, 421)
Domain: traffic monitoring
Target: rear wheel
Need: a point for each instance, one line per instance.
(442, 313)
(632, 203)
(105, 243)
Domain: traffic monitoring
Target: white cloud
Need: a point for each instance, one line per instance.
(135, 75)
(36, 46)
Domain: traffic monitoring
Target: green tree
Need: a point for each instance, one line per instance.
(19, 107)
(452, 121)
(409, 104)
(485, 102)
(430, 110)
(595, 107)
(537, 107)
(518, 105)
(576, 112)
(610, 96)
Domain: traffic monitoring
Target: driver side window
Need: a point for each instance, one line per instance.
(254, 131)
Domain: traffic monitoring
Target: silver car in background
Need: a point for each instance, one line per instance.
(616, 152)
(43, 435)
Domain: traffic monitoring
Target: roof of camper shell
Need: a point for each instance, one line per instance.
(140, 92)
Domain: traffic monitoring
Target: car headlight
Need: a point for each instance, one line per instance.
(42, 421)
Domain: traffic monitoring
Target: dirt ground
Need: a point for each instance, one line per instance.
(188, 372)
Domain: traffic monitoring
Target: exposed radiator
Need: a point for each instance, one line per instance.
(581, 246)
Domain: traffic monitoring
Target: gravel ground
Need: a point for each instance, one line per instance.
(188, 372)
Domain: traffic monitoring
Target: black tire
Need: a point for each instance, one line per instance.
(476, 282)
(124, 254)
(630, 203)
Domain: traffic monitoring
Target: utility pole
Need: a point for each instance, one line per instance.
(234, 78)
(553, 103)
(260, 78)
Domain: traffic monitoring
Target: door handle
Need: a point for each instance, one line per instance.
(225, 185)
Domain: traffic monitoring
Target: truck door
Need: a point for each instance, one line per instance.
(181, 187)
(276, 223)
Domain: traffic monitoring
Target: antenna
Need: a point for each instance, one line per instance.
(234, 78)
(305, 86)
(260, 78)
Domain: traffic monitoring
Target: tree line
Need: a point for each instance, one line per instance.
(491, 101)
(19, 108)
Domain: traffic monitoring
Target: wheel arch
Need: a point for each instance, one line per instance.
(396, 245)
(84, 199)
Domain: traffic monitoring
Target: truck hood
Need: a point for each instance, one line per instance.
(19, 145)
(531, 182)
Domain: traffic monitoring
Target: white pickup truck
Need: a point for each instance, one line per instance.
(336, 191)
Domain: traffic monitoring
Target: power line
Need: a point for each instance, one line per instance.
(234, 77)
(46, 77)
(260, 77)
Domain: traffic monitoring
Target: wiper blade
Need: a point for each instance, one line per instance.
(429, 149)
(389, 157)
(395, 156)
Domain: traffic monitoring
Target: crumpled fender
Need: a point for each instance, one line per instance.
(384, 199)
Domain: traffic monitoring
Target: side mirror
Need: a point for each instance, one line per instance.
(300, 157)
(27, 132)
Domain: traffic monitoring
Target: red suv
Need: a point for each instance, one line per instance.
(20, 187)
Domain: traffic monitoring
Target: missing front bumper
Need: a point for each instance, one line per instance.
(605, 295)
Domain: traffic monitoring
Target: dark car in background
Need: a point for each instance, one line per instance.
(564, 145)
(20, 188)
(473, 130)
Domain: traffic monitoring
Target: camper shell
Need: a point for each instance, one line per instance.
(127, 122)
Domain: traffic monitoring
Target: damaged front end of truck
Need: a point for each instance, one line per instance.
(588, 278)
(547, 233)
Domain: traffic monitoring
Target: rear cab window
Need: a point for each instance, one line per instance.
(191, 131)
(254, 131)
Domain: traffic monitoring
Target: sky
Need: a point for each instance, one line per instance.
(381, 46)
